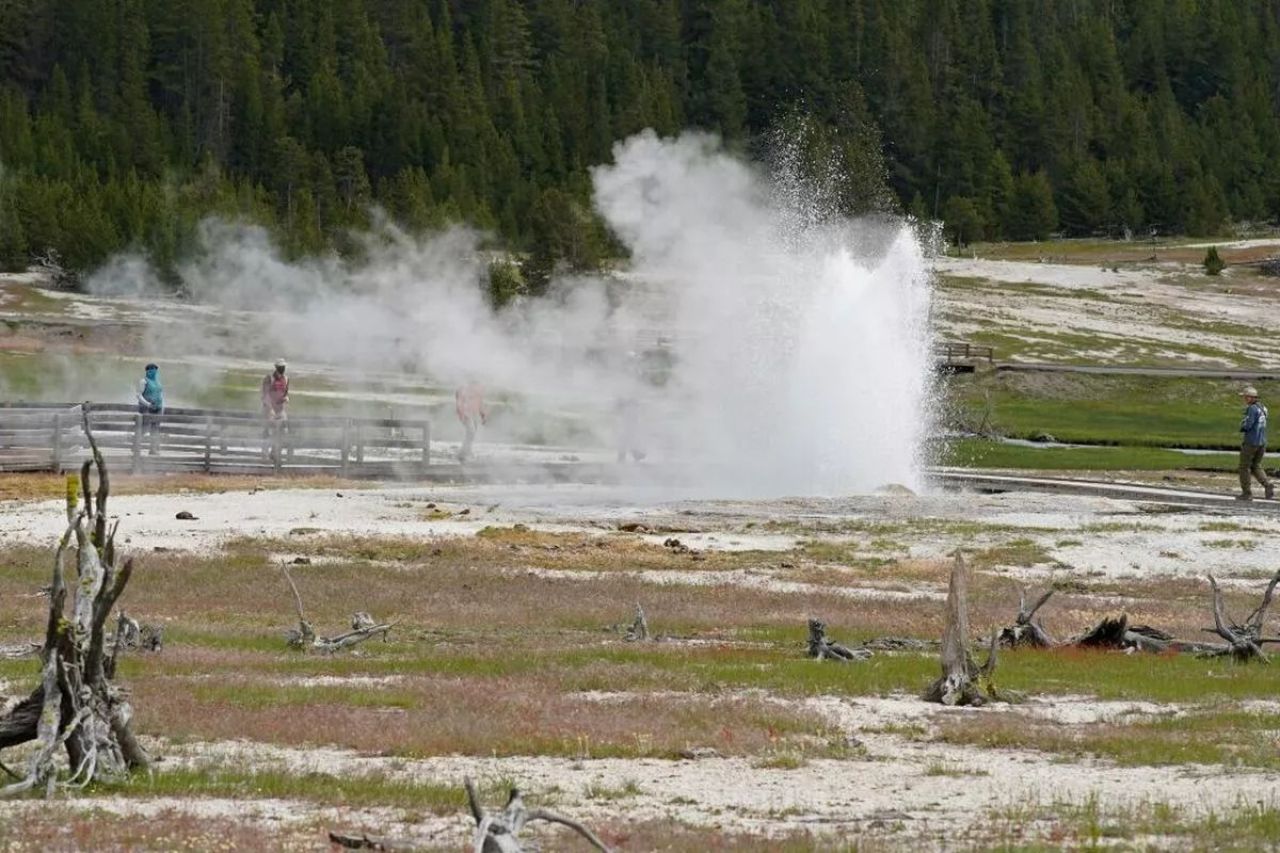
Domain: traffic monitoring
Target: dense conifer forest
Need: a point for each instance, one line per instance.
(124, 122)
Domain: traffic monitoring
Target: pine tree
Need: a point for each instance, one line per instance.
(1032, 212)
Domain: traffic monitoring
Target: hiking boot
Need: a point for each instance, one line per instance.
(1244, 497)
(1270, 492)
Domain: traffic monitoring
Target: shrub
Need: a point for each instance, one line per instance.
(1212, 263)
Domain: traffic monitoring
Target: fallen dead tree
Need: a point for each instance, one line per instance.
(1025, 630)
(500, 832)
(363, 627)
(963, 681)
(821, 647)
(496, 832)
(1113, 631)
(77, 706)
(1244, 641)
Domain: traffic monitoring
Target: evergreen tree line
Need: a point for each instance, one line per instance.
(124, 122)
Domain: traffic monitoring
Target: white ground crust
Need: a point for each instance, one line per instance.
(1083, 535)
(1131, 315)
(895, 786)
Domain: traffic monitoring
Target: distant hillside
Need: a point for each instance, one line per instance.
(123, 122)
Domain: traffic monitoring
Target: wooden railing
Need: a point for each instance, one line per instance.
(952, 353)
(50, 436)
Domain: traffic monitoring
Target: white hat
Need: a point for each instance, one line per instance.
(1249, 391)
(280, 363)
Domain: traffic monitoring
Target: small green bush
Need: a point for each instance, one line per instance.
(1212, 263)
(506, 281)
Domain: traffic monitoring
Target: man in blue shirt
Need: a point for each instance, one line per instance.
(1253, 446)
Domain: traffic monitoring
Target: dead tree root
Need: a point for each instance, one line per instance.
(500, 832)
(363, 627)
(821, 647)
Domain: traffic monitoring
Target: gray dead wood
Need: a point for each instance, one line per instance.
(361, 841)
(639, 630)
(1244, 641)
(20, 650)
(77, 706)
(1026, 630)
(1115, 632)
(821, 647)
(363, 627)
(963, 682)
(500, 832)
(899, 644)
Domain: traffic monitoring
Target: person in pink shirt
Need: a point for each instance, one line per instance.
(472, 413)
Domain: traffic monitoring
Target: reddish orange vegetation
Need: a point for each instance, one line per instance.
(41, 486)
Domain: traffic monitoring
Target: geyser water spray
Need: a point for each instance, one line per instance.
(796, 359)
(801, 342)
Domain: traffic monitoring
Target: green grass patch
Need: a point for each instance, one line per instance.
(1233, 738)
(1018, 552)
(982, 453)
(1139, 411)
(366, 790)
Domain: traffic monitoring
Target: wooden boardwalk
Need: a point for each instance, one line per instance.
(50, 437)
(961, 357)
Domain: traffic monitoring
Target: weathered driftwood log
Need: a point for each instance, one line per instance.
(20, 650)
(500, 832)
(363, 627)
(963, 682)
(1244, 641)
(1114, 632)
(899, 644)
(362, 841)
(1025, 630)
(77, 706)
(822, 648)
(639, 630)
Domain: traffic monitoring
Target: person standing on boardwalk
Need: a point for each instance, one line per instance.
(1253, 446)
(472, 412)
(151, 403)
(275, 401)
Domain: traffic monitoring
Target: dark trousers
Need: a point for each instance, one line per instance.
(1251, 464)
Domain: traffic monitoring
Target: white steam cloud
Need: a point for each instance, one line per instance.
(793, 360)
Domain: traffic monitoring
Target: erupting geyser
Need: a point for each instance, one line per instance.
(797, 354)
(802, 353)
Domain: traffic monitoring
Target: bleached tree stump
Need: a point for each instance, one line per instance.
(77, 706)
(639, 630)
(963, 682)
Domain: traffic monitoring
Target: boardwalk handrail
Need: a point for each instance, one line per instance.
(952, 351)
(49, 436)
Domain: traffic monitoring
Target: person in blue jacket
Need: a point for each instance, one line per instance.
(151, 402)
(1253, 446)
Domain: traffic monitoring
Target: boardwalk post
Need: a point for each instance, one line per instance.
(137, 443)
(346, 444)
(208, 444)
(275, 445)
(359, 444)
(426, 442)
(55, 464)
